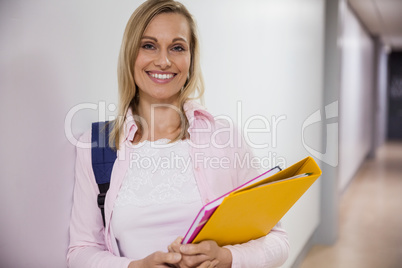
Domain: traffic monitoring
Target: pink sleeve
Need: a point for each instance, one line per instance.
(87, 243)
(269, 251)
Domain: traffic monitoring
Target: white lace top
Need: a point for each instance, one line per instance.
(158, 199)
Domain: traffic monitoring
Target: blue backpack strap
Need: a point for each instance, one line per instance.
(103, 158)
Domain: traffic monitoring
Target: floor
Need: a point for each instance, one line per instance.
(370, 232)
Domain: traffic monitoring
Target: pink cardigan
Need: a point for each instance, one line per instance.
(217, 152)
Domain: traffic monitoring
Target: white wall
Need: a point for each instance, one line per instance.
(53, 55)
(356, 95)
(269, 56)
(59, 54)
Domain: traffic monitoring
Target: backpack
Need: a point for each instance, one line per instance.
(103, 158)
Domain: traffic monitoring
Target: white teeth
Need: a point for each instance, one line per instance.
(162, 76)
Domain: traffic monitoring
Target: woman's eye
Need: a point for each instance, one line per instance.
(178, 48)
(148, 46)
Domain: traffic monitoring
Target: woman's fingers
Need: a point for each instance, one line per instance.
(175, 246)
(161, 258)
(214, 264)
(207, 247)
(193, 260)
(171, 257)
(209, 264)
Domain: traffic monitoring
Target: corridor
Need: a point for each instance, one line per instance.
(370, 234)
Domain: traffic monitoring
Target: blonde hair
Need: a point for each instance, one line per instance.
(128, 91)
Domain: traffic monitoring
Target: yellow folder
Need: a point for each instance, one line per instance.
(251, 212)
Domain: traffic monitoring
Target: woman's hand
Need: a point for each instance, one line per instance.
(205, 254)
(158, 260)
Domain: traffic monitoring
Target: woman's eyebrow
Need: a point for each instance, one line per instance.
(156, 40)
(179, 39)
(149, 37)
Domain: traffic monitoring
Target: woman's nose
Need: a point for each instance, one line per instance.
(163, 60)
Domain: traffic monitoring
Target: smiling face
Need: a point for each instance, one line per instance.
(164, 59)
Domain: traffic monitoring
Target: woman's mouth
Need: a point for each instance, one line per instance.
(161, 77)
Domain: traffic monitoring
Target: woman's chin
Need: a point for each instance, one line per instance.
(162, 98)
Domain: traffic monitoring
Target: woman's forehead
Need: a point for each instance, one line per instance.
(167, 27)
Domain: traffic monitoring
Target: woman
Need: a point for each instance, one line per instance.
(148, 207)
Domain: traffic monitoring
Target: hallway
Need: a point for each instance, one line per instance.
(370, 234)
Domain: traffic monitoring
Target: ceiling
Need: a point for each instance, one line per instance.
(382, 18)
